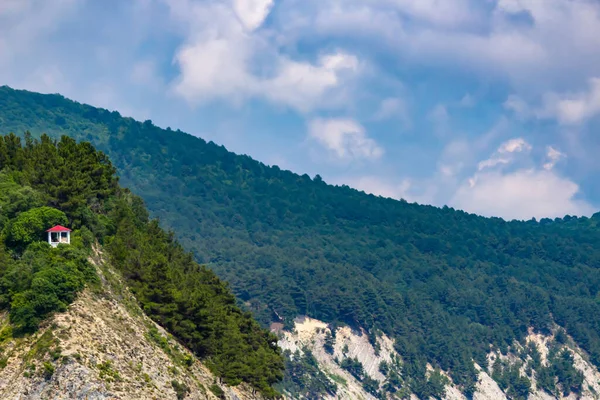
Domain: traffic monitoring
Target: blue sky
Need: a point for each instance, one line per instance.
(491, 106)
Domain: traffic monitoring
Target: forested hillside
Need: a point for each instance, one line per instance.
(46, 182)
(443, 283)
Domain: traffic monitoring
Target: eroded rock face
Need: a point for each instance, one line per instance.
(310, 333)
(104, 348)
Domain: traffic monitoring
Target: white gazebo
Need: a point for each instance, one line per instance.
(59, 234)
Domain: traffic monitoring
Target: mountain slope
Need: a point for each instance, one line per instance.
(381, 363)
(104, 347)
(45, 183)
(448, 287)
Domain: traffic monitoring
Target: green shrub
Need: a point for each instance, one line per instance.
(181, 389)
(217, 391)
(45, 280)
(31, 225)
(69, 183)
(48, 370)
(107, 372)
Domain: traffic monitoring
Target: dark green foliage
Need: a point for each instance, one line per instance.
(43, 281)
(303, 378)
(217, 391)
(329, 344)
(432, 386)
(569, 378)
(509, 379)
(48, 370)
(73, 184)
(560, 377)
(181, 389)
(445, 284)
(393, 375)
(371, 386)
(191, 302)
(384, 368)
(393, 382)
(35, 279)
(561, 336)
(353, 366)
(30, 226)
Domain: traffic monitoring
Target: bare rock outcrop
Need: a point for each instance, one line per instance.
(104, 348)
(311, 333)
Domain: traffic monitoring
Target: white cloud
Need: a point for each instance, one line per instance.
(492, 162)
(454, 157)
(304, 85)
(553, 156)
(227, 57)
(25, 23)
(517, 145)
(568, 108)
(533, 45)
(522, 194)
(462, 152)
(573, 108)
(505, 153)
(252, 13)
(345, 139)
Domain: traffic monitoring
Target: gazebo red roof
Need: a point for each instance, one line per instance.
(58, 228)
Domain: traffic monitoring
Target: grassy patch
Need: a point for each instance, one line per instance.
(173, 352)
(107, 372)
(6, 333)
(146, 378)
(45, 344)
(217, 391)
(48, 370)
(338, 379)
(181, 389)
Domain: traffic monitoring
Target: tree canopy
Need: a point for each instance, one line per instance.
(443, 283)
(46, 182)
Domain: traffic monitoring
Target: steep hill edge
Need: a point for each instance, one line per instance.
(105, 347)
(46, 182)
(312, 335)
(443, 283)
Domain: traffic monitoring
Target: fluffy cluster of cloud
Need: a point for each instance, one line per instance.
(508, 184)
(227, 56)
(569, 108)
(345, 139)
(504, 153)
(343, 69)
(528, 42)
(500, 189)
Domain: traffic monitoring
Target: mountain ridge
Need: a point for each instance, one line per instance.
(105, 347)
(46, 182)
(447, 286)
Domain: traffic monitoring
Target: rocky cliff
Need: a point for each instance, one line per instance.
(310, 334)
(104, 347)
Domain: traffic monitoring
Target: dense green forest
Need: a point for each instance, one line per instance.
(443, 283)
(46, 182)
